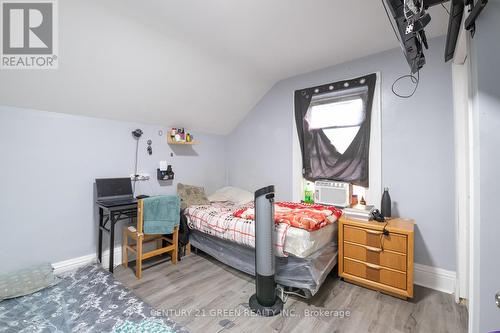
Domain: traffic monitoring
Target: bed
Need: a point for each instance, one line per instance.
(303, 258)
(86, 300)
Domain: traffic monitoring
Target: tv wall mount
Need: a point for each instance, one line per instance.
(409, 19)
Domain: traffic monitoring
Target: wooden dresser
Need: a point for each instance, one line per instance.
(375, 260)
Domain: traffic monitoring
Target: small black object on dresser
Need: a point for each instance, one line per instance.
(386, 203)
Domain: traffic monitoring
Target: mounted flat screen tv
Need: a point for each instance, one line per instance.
(409, 19)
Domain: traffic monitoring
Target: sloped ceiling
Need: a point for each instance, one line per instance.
(202, 64)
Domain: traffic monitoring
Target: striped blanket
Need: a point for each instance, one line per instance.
(218, 220)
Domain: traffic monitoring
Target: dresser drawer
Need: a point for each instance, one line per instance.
(375, 273)
(375, 238)
(375, 255)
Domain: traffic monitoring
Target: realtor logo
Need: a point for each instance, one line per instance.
(29, 35)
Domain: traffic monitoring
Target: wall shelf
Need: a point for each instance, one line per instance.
(172, 142)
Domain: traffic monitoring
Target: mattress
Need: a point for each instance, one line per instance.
(217, 220)
(302, 243)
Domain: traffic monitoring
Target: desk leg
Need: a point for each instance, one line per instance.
(99, 244)
(111, 241)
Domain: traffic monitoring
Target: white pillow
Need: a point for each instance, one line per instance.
(233, 194)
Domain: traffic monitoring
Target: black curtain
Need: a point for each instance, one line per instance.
(320, 159)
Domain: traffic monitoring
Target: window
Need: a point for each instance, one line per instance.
(339, 115)
(338, 132)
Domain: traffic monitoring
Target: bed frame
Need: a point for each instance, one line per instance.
(298, 275)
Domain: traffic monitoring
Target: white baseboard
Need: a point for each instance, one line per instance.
(435, 278)
(425, 276)
(72, 264)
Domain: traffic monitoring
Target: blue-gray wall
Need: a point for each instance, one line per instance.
(45, 154)
(48, 165)
(417, 144)
(486, 66)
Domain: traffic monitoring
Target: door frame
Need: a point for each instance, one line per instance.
(466, 179)
(461, 119)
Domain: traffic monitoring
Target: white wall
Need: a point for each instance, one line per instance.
(48, 165)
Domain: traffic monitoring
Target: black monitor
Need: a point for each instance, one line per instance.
(113, 187)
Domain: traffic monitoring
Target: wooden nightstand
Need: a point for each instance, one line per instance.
(371, 259)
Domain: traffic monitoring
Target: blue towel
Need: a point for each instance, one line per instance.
(161, 214)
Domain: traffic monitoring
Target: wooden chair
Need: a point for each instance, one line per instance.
(140, 239)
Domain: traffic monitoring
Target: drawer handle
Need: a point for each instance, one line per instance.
(373, 266)
(374, 232)
(373, 249)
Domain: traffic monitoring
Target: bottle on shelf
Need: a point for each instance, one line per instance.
(309, 193)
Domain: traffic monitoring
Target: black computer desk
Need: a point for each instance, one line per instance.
(112, 215)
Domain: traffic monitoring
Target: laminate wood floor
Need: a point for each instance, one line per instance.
(205, 295)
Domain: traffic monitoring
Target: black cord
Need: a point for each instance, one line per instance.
(384, 233)
(135, 169)
(414, 79)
